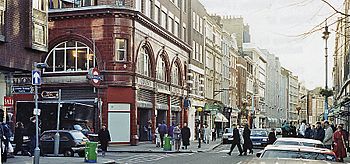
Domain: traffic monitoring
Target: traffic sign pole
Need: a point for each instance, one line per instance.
(57, 135)
(37, 149)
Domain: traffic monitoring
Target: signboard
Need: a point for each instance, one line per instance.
(95, 76)
(22, 89)
(49, 94)
(36, 79)
(8, 101)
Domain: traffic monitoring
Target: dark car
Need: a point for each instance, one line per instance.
(259, 137)
(71, 141)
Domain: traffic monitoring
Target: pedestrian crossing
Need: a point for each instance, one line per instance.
(144, 158)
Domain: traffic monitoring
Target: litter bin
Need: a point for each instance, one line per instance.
(91, 152)
(167, 144)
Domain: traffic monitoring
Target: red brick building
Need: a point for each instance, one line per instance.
(142, 64)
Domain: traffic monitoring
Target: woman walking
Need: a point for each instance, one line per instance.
(104, 137)
(177, 137)
(247, 144)
(339, 143)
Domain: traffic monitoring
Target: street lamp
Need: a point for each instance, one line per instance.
(325, 37)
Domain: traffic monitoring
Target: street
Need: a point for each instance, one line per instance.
(215, 156)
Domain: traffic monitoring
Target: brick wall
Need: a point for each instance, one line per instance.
(13, 52)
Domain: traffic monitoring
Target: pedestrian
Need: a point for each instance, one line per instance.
(19, 130)
(293, 132)
(207, 132)
(319, 132)
(185, 135)
(213, 134)
(31, 131)
(302, 128)
(177, 137)
(162, 129)
(145, 133)
(171, 132)
(272, 137)
(285, 129)
(236, 141)
(149, 129)
(247, 142)
(157, 136)
(346, 134)
(339, 144)
(328, 139)
(309, 133)
(7, 134)
(104, 138)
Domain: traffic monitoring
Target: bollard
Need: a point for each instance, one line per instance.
(167, 144)
(91, 152)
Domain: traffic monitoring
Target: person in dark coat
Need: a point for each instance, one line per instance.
(185, 134)
(236, 141)
(247, 145)
(19, 130)
(319, 132)
(162, 129)
(272, 137)
(104, 137)
(309, 133)
(31, 131)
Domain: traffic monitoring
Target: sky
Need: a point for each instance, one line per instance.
(275, 26)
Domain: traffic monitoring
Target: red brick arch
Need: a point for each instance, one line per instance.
(162, 54)
(147, 45)
(176, 60)
(76, 37)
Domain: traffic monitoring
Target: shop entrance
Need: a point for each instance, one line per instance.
(161, 116)
(144, 116)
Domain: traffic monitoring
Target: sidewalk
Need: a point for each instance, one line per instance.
(148, 147)
(56, 160)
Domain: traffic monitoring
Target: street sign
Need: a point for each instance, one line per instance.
(22, 89)
(8, 101)
(36, 79)
(95, 76)
(36, 111)
(49, 94)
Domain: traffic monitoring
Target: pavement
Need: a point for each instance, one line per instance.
(148, 147)
(57, 160)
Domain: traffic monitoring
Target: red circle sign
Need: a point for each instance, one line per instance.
(95, 73)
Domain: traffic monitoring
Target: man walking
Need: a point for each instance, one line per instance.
(185, 134)
(247, 143)
(104, 138)
(319, 132)
(328, 139)
(162, 131)
(236, 141)
(302, 128)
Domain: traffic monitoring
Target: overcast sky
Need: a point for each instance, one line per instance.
(274, 25)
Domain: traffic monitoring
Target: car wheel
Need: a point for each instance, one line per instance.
(81, 154)
(68, 153)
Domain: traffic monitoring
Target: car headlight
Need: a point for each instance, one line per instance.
(264, 140)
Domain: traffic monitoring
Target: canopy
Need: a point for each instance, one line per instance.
(220, 118)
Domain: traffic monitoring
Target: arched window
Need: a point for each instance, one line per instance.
(70, 56)
(143, 64)
(175, 78)
(161, 69)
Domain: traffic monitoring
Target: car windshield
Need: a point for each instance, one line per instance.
(286, 143)
(228, 130)
(259, 133)
(78, 135)
(296, 154)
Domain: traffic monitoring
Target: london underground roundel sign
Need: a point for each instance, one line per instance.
(95, 77)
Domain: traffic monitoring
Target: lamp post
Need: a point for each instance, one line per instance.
(325, 37)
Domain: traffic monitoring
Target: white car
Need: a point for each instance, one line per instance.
(299, 142)
(227, 137)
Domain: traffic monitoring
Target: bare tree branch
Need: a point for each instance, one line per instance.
(337, 11)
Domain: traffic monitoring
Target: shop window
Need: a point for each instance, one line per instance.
(70, 56)
(143, 64)
(161, 70)
(39, 5)
(57, 4)
(120, 53)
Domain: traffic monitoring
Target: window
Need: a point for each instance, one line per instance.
(39, 5)
(194, 49)
(184, 6)
(69, 57)
(148, 8)
(184, 33)
(139, 5)
(197, 51)
(171, 25)
(163, 19)
(143, 64)
(120, 53)
(176, 28)
(175, 78)
(156, 14)
(200, 25)
(161, 70)
(200, 53)
(39, 34)
(194, 20)
(2, 17)
(197, 22)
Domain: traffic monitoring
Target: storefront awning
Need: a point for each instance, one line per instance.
(220, 118)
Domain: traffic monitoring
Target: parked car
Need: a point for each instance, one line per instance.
(297, 152)
(227, 137)
(299, 142)
(71, 141)
(285, 161)
(259, 137)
